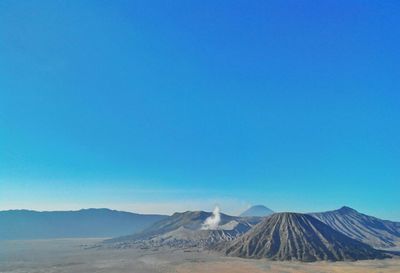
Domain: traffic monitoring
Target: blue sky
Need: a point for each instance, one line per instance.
(162, 106)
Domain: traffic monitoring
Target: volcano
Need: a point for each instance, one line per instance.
(185, 230)
(294, 236)
(257, 211)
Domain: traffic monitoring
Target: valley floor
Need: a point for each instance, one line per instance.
(71, 256)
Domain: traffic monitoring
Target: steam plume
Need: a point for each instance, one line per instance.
(212, 222)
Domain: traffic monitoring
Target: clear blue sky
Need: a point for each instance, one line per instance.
(157, 106)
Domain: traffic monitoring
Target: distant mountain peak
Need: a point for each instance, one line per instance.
(346, 209)
(257, 211)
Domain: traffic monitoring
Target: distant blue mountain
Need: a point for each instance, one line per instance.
(28, 224)
(257, 211)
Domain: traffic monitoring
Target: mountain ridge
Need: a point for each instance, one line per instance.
(367, 229)
(93, 222)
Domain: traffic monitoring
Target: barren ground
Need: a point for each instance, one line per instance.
(70, 255)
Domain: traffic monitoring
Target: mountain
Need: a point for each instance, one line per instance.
(187, 229)
(27, 224)
(294, 236)
(368, 229)
(257, 211)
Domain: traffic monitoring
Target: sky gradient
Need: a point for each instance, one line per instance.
(162, 106)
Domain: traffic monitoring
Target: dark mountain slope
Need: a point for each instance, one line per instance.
(27, 224)
(370, 230)
(293, 236)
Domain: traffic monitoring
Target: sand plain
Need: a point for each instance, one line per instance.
(74, 256)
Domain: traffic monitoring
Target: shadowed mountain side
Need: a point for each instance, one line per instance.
(257, 211)
(293, 236)
(27, 224)
(368, 229)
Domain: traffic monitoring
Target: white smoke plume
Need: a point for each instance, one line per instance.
(212, 222)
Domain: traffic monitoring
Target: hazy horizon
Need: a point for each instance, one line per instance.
(158, 209)
(173, 106)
